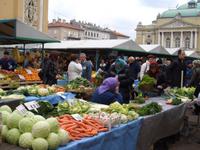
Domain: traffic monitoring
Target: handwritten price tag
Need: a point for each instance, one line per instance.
(28, 71)
(32, 105)
(21, 77)
(77, 117)
(21, 109)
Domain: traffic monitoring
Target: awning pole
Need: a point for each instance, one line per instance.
(24, 48)
(97, 59)
(42, 52)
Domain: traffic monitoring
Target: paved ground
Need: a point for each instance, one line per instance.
(190, 139)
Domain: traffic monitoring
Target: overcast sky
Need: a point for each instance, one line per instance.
(119, 15)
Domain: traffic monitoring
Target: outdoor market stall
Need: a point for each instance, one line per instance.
(166, 123)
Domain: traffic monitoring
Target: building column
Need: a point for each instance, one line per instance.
(172, 40)
(181, 44)
(195, 45)
(158, 37)
(143, 39)
(191, 40)
(162, 38)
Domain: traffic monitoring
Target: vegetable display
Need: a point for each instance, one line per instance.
(32, 131)
(78, 129)
(79, 85)
(182, 92)
(149, 109)
(40, 90)
(147, 83)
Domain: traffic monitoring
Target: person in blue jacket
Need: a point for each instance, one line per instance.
(107, 92)
(7, 63)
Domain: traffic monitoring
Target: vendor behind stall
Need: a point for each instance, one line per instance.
(7, 63)
(107, 92)
(156, 73)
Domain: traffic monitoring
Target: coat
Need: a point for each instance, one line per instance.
(106, 98)
(174, 76)
(126, 79)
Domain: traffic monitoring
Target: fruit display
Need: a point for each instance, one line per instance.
(29, 132)
(29, 74)
(7, 76)
(40, 90)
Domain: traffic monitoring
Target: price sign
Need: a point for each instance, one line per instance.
(22, 109)
(77, 117)
(21, 77)
(33, 105)
(28, 71)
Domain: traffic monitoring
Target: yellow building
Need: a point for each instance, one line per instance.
(173, 28)
(32, 12)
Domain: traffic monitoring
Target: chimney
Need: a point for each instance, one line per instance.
(54, 20)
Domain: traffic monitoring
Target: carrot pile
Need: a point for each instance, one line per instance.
(79, 129)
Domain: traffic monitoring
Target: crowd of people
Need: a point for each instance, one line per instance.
(119, 74)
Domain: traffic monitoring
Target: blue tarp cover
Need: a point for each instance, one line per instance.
(53, 99)
(123, 137)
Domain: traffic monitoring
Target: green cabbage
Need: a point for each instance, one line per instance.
(6, 108)
(39, 144)
(54, 125)
(4, 132)
(5, 116)
(64, 136)
(12, 136)
(53, 140)
(13, 120)
(25, 140)
(38, 118)
(26, 124)
(41, 129)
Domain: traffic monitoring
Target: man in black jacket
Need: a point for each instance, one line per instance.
(177, 69)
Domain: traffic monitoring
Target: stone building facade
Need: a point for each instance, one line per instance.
(173, 28)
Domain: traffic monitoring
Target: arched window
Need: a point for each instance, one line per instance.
(187, 42)
(177, 42)
(168, 43)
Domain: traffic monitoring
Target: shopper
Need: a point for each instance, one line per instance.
(134, 67)
(195, 80)
(7, 63)
(86, 67)
(177, 70)
(102, 65)
(145, 66)
(74, 68)
(107, 92)
(49, 70)
(188, 75)
(120, 69)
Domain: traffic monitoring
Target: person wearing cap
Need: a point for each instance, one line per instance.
(177, 70)
(107, 92)
(86, 67)
(7, 63)
(145, 66)
(120, 69)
